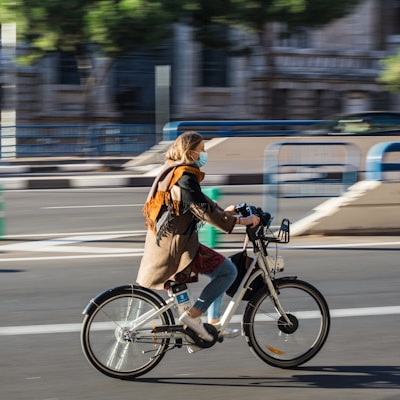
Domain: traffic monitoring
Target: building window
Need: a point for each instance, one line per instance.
(396, 13)
(280, 98)
(134, 80)
(68, 72)
(380, 101)
(326, 103)
(215, 60)
(299, 39)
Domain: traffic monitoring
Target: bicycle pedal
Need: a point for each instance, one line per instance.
(198, 341)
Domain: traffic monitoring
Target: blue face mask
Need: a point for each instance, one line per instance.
(203, 158)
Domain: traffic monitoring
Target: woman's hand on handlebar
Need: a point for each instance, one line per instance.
(231, 210)
(251, 220)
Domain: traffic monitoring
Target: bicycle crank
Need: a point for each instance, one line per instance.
(198, 341)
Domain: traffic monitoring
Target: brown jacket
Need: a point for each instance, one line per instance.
(177, 249)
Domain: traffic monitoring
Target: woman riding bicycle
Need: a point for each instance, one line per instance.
(174, 207)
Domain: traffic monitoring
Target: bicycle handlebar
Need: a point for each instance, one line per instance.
(283, 235)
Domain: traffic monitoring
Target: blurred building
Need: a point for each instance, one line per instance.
(315, 74)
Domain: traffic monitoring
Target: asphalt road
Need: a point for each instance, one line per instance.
(61, 247)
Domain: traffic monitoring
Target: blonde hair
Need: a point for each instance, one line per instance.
(184, 143)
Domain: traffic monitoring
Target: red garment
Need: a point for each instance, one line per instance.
(205, 262)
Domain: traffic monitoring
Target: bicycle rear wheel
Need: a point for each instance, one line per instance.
(285, 345)
(106, 337)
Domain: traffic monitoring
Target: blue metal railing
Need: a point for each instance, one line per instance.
(121, 139)
(237, 127)
(76, 140)
(375, 163)
(129, 139)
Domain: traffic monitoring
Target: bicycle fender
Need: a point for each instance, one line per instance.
(276, 284)
(284, 279)
(100, 297)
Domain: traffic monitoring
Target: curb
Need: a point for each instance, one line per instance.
(62, 168)
(114, 180)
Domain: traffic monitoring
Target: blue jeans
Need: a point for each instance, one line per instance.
(211, 296)
(214, 311)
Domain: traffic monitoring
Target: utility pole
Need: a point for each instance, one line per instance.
(162, 87)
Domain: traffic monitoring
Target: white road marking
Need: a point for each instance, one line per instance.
(55, 234)
(84, 256)
(58, 245)
(63, 242)
(93, 206)
(367, 311)
(68, 328)
(340, 245)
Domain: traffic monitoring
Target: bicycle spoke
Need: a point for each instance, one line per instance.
(110, 341)
(291, 339)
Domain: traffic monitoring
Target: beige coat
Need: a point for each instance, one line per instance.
(176, 250)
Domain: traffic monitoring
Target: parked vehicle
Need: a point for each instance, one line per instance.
(361, 123)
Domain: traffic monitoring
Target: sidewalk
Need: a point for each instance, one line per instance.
(228, 165)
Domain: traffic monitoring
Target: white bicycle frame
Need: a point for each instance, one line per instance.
(265, 269)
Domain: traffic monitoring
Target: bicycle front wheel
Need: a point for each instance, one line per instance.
(108, 340)
(277, 342)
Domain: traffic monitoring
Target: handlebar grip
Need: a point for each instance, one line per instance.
(242, 209)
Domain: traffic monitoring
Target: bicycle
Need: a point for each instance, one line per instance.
(127, 330)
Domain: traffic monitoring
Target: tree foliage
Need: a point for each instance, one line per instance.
(118, 26)
(7, 13)
(316, 13)
(113, 26)
(390, 76)
(253, 15)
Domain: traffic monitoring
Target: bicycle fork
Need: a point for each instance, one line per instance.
(274, 294)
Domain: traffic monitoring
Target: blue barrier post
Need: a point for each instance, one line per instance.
(208, 234)
(315, 169)
(375, 165)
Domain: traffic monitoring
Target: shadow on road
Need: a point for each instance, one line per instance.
(332, 377)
